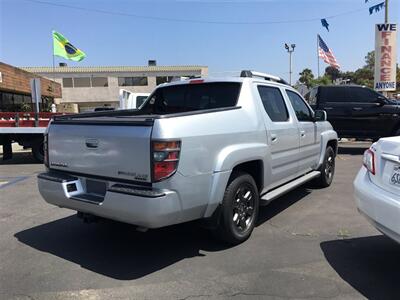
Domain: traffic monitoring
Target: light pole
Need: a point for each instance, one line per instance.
(290, 50)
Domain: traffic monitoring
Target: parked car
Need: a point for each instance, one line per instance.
(377, 186)
(357, 111)
(210, 149)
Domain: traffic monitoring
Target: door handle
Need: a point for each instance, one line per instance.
(274, 138)
(357, 108)
(302, 133)
(328, 108)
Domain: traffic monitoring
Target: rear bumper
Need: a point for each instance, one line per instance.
(380, 207)
(130, 204)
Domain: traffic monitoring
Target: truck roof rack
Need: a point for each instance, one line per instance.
(265, 76)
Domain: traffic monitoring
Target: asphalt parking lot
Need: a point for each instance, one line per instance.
(311, 243)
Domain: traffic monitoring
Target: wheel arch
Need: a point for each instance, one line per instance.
(247, 158)
(328, 138)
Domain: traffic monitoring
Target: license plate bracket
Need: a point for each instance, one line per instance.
(395, 178)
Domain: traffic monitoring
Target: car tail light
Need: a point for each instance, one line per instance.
(46, 149)
(369, 161)
(165, 159)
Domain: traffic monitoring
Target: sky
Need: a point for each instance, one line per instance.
(225, 35)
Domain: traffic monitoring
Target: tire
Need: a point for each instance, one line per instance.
(239, 209)
(38, 151)
(327, 169)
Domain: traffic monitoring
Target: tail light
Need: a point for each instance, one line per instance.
(369, 161)
(165, 159)
(46, 149)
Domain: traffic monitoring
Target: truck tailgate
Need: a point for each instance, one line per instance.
(119, 151)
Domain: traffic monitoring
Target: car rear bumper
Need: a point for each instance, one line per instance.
(140, 206)
(380, 207)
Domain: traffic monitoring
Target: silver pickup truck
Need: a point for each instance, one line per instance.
(211, 149)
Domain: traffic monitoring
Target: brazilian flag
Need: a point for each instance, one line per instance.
(63, 48)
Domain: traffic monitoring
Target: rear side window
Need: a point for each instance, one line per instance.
(333, 94)
(302, 111)
(273, 102)
(192, 97)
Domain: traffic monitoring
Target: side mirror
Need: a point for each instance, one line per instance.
(320, 115)
(381, 100)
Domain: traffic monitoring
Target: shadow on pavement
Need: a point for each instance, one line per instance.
(371, 265)
(19, 158)
(117, 250)
(353, 149)
(279, 205)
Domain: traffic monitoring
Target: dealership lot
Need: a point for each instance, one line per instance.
(311, 243)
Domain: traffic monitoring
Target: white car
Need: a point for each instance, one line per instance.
(377, 186)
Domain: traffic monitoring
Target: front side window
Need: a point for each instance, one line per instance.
(274, 104)
(301, 109)
(132, 81)
(360, 94)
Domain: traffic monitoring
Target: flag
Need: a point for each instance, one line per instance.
(325, 24)
(376, 8)
(326, 54)
(63, 48)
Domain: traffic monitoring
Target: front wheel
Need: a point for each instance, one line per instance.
(327, 169)
(239, 209)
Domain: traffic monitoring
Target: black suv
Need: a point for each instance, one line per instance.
(357, 111)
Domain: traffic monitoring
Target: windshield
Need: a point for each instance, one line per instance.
(191, 97)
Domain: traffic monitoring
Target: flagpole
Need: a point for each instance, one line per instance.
(317, 56)
(54, 69)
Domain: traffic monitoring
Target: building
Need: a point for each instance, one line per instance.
(15, 90)
(91, 87)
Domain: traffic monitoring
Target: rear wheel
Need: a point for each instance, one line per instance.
(327, 169)
(239, 209)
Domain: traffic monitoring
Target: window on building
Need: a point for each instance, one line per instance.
(274, 104)
(7, 102)
(67, 82)
(99, 81)
(132, 81)
(163, 79)
(82, 82)
(15, 102)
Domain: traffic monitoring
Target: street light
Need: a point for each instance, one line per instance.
(290, 50)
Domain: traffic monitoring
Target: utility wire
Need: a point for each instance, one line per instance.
(125, 14)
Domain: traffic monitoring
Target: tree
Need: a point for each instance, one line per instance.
(322, 80)
(370, 61)
(332, 72)
(306, 77)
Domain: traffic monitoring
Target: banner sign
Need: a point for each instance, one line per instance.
(385, 57)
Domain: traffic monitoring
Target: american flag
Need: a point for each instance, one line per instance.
(326, 54)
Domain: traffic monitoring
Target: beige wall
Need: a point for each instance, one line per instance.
(97, 96)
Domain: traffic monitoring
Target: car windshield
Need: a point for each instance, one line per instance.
(192, 97)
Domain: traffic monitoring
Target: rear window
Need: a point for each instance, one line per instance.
(192, 97)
